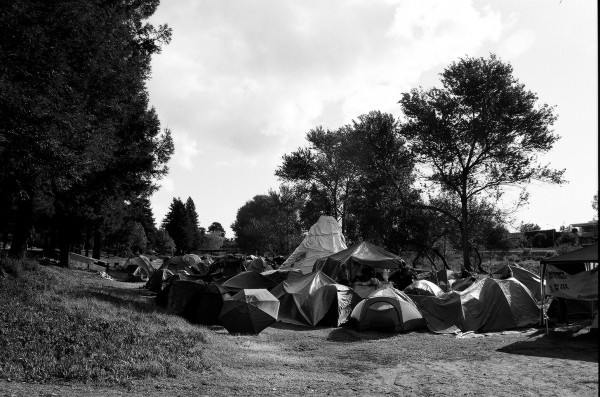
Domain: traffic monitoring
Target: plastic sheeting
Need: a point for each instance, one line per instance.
(324, 238)
(345, 265)
(488, 305)
(314, 297)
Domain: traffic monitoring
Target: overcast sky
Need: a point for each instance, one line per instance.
(242, 82)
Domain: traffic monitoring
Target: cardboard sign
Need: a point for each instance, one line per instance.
(583, 286)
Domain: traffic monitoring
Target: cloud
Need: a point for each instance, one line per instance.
(187, 152)
(254, 77)
(518, 43)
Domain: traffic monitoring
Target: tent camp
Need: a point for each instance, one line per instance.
(572, 277)
(324, 238)
(387, 309)
(248, 280)
(249, 311)
(486, 306)
(360, 259)
(303, 303)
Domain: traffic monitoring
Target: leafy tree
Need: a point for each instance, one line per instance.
(595, 205)
(478, 135)
(217, 228)
(529, 227)
(163, 243)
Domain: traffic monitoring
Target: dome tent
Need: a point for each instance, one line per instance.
(423, 287)
(387, 309)
(249, 311)
(488, 305)
(324, 238)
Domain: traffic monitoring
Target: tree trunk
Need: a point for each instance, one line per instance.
(23, 228)
(64, 244)
(465, 235)
(97, 249)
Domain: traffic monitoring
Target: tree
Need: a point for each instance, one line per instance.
(216, 227)
(477, 136)
(193, 225)
(529, 227)
(595, 205)
(163, 243)
(76, 126)
(176, 223)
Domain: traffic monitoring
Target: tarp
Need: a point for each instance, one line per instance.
(302, 304)
(324, 238)
(281, 275)
(249, 311)
(204, 307)
(486, 306)
(423, 287)
(581, 286)
(387, 309)
(346, 265)
(248, 280)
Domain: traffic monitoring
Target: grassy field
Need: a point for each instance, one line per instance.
(72, 333)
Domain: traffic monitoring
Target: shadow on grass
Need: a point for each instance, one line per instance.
(135, 298)
(347, 334)
(560, 343)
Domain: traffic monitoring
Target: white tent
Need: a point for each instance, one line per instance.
(324, 238)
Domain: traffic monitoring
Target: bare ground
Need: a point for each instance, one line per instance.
(286, 360)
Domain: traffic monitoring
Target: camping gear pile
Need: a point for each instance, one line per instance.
(356, 285)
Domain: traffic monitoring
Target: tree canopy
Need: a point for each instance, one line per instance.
(479, 134)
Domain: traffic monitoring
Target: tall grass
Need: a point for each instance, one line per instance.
(61, 324)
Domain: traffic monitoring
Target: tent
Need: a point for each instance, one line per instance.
(387, 309)
(423, 287)
(248, 280)
(324, 238)
(249, 311)
(360, 259)
(204, 307)
(486, 306)
(281, 275)
(258, 265)
(157, 280)
(571, 277)
(138, 266)
(527, 278)
(180, 292)
(196, 264)
(303, 304)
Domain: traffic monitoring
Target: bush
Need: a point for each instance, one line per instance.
(564, 248)
(15, 267)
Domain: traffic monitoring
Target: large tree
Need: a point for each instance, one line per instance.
(478, 135)
(76, 125)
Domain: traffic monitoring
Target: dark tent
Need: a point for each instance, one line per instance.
(249, 311)
(248, 280)
(313, 297)
(157, 280)
(204, 307)
(527, 278)
(357, 262)
(180, 292)
(282, 274)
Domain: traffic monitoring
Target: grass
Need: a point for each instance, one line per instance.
(61, 324)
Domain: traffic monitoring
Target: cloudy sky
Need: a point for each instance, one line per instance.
(243, 81)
